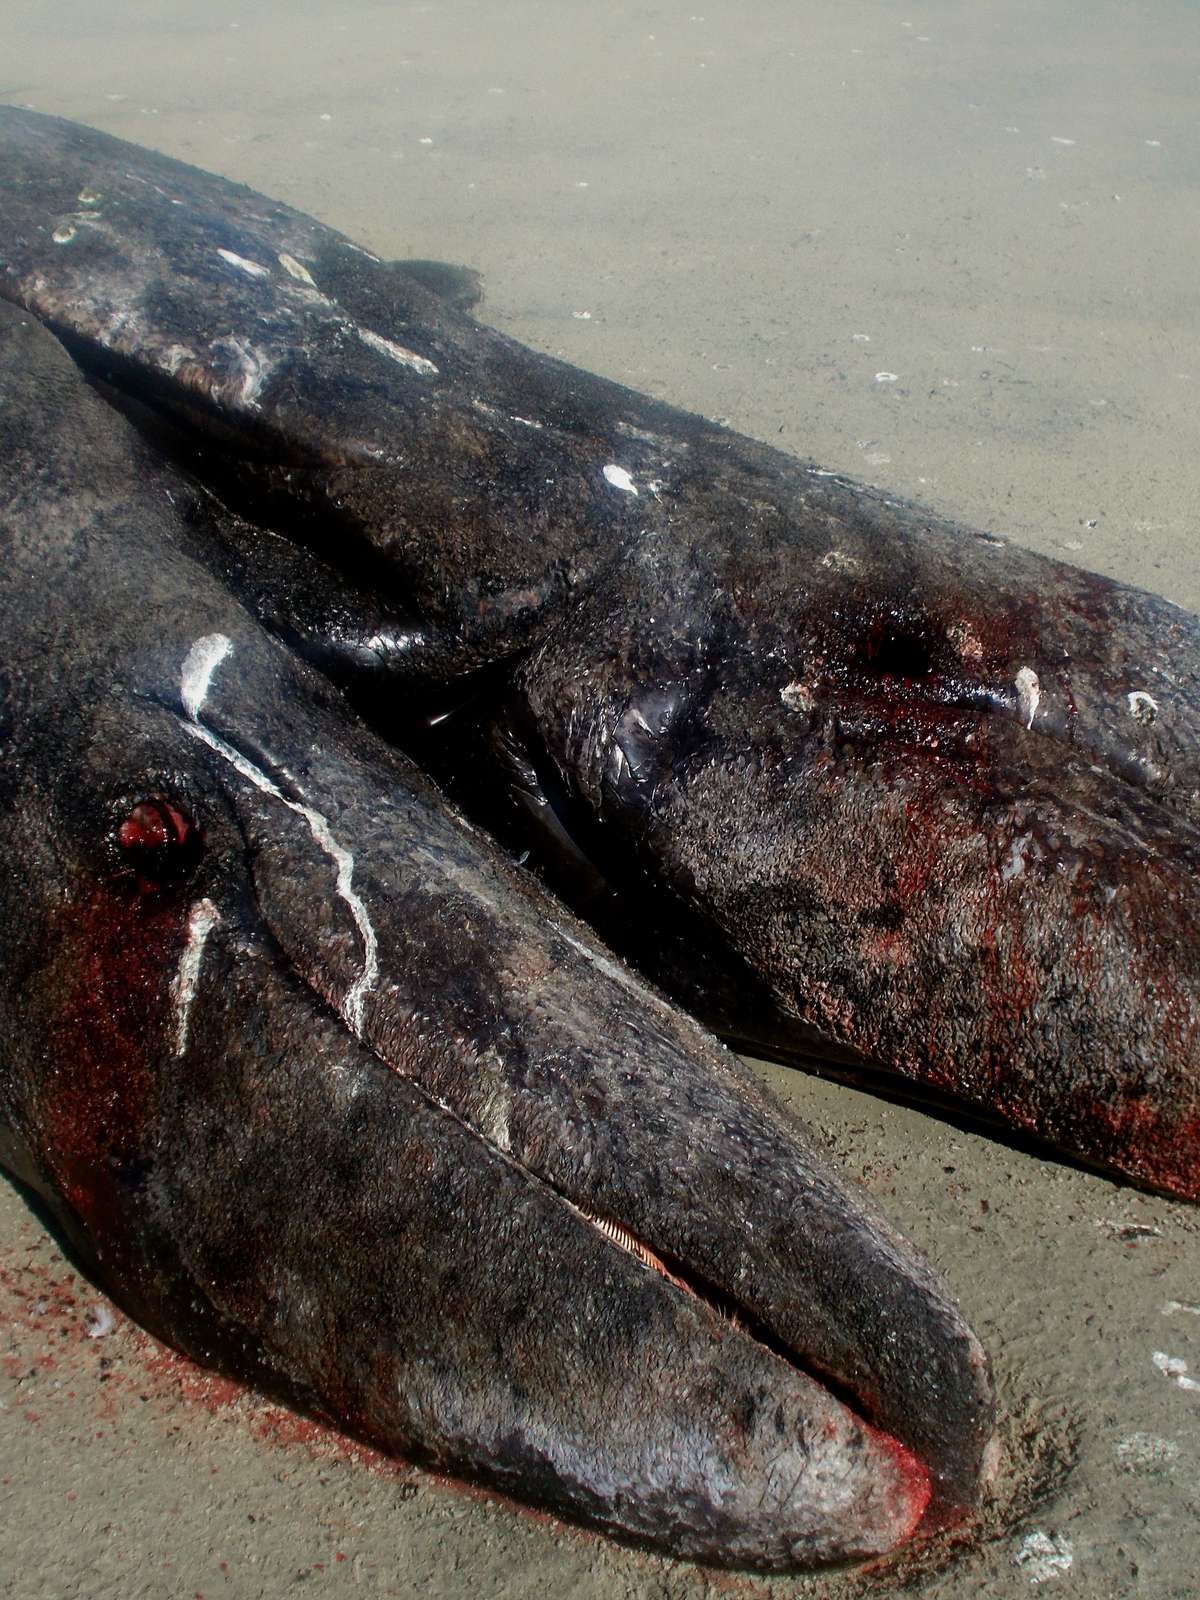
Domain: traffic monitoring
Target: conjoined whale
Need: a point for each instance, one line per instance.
(329, 1094)
(841, 777)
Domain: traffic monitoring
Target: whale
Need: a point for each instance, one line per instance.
(850, 782)
(332, 1096)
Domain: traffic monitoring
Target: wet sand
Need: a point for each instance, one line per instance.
(948, 249)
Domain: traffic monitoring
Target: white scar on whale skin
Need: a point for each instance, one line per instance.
(397, 352)
(1029, 695)
(199, 665)
(203, 919)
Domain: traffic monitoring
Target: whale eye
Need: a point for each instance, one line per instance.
(159, 842)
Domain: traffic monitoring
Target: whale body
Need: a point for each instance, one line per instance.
(844, 778)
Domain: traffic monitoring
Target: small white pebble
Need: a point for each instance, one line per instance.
(582, 316)
(325, 117)
(1175, 1368)
(1043, 1555)
(1142, 1452)
(887, 377)
(425, 141)
(1056, 140)
(100, 1321)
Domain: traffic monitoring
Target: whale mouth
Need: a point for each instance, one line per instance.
(604, 1097)
(738, 1320)
(852, 1491)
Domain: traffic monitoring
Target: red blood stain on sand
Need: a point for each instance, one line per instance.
(49, 1330)
(49, 1317)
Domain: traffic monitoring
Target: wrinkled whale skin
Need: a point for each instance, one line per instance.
(842, 776)
(328, 1093)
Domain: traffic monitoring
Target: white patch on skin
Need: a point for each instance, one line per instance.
(122, 330)
(1143, 707)
(255, 370)
(1175, 1368)
(527, 422)
(200, 663)
(175, 356)
(596, 958)
(203, 919)
(965, 640)
(1014, 863)
(1043, 1555)
(296, 269)
(1029, 694)
(840, 561)
(397, 352)
(797, 696)
(252, 269)
(493, 1118)
(619, 478)
(359, 251)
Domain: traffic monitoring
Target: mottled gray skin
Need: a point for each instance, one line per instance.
(842, 776)
(328, 1093)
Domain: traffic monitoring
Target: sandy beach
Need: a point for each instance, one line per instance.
(949, 250)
